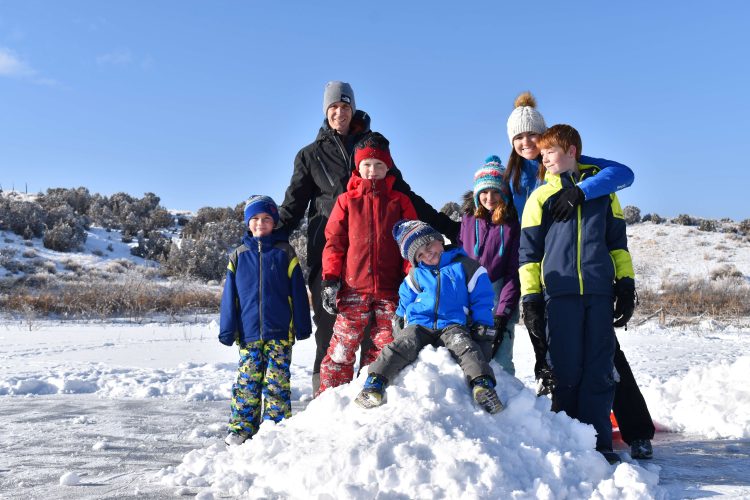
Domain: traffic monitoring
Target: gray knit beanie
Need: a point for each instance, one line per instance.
(525, 117)
(336, 91)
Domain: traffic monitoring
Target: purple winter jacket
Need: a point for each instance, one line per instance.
(499, 267)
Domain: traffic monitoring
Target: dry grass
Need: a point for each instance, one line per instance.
(102, 299)
(722, 298)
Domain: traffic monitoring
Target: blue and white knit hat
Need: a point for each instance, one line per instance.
(259, 203)
(411, 235)
(490, 176)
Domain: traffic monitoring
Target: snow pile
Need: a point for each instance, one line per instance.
(429, 441)
(712, 400)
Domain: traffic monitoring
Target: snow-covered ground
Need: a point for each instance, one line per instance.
(114, 410)
(119, 410)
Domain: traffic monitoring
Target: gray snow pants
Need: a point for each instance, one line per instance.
(408, 342)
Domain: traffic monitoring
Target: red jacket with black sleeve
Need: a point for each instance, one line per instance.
(360, 250)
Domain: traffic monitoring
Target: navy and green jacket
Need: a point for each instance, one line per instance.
(581, 256)
(264, 295)
(443, 295)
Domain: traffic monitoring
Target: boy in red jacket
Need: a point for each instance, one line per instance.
(362, 265)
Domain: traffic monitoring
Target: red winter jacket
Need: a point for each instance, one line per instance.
(360, 249)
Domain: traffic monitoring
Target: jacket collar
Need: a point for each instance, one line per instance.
(358, 184)
(266, 242)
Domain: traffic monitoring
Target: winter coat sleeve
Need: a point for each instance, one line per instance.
(617, 241)
(511, 291)
(229, 318)
(612, 177)
(300, 304)
(425, 211)
(406, 295)
(531, 249)
(337, 239)
(298, 194)
(481, 298)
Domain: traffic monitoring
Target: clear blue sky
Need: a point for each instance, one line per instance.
(205, 103)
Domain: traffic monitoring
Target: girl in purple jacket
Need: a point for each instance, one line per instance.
(490, 233)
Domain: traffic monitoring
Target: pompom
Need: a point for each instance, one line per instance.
(493, 159)
(525, 99)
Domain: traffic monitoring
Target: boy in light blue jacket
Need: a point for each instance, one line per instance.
(263, 309)
(446, 300)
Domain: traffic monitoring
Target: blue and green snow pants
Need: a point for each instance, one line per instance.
(263, 372)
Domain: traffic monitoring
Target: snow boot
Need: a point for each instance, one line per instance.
(610, 456)
(372, 394)
(485, 395)
(641, 449)
(235, 438)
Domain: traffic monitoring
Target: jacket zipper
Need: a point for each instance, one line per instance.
(260, 290)
(437, 299)
(325, 170)
(341, 149)
(373, 237)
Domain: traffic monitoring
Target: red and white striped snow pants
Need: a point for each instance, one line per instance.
(355, 312)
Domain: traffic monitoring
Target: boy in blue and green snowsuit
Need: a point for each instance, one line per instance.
(574, 269)
(446, 300)
(263, 308)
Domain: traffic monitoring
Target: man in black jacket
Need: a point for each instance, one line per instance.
(321, 172)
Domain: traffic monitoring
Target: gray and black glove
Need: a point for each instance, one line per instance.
(328, 295)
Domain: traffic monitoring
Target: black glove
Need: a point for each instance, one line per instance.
(533, 318)
(624, 301)
(328, 295)
(500, 323)
(565, 204)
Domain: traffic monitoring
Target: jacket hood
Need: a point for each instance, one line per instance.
(468, 207)
(357, 183)
(360, 125)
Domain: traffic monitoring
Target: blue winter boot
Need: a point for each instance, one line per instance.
(373, 393)
(485, 395)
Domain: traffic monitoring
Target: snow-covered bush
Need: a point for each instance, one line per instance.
(707, 225)
(632, 214)
(203, 258)
(684, 220)
(155, 247)
(65, 236)
(653, 218)
(24, 218)
(452, 210)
